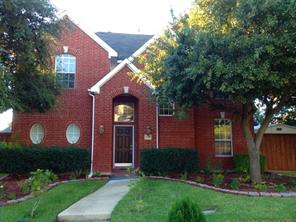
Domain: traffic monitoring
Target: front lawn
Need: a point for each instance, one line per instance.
(52, 202)
(290, 174)
(2, 175)
(159, 196)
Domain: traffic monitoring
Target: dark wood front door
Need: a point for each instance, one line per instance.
(123, 145)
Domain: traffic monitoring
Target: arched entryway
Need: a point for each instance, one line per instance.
(124, 130)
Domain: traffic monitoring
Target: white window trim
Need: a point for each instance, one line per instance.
(166, 115)
(75, 73)
(31, 134)
(224, 140)
(70, 142)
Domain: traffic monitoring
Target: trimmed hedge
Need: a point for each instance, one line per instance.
(168, 160)
(242, 163)
(21, 161)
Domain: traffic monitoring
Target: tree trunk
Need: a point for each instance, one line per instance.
(253, 148)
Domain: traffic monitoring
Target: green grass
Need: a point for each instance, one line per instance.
(52, 202)
(290, 174)
(159, 196)
(2, 175)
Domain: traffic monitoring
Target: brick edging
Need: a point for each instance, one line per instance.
(245, 193)
(50, 186)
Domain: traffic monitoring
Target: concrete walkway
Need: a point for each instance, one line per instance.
(98, 206)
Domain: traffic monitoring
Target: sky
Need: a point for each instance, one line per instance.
(123, 16)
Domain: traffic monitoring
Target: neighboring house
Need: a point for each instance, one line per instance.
(279, 147)
(103, 109)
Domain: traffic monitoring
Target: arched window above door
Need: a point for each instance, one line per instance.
(124, 112)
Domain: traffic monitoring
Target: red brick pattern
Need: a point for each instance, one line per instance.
(75, 106)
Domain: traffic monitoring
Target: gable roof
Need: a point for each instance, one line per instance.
(279, 129)
(96, 88)
(91, 34)
(125, 44)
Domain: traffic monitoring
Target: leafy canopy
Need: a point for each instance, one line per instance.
(243, 48)
(26, 29)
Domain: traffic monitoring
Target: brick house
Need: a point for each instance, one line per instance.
(103, 109)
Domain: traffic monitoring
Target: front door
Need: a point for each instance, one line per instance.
(123, 146)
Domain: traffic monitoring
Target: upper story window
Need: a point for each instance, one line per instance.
(223, 137)
(65, 67)
(124, 112)
(166, 108)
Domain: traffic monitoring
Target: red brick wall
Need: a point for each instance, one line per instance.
(145, 117)
(73, 105)
(204, 135)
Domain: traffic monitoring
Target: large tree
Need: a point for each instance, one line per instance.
(241, 48)
(27, 27)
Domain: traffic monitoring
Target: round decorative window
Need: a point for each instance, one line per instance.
(73, 133)
(37, 133)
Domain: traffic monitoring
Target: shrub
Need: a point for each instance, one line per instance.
(22, 161)
(217, 180)
(292, 182)
(11, 196)
(261, 187)
(234, 184)
(280, 188)
(185, 211)
(199, 179)
(242, 163)
(184, 176)
(168, 160)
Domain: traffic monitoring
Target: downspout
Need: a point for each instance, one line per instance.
(157, 143)
(92, 133)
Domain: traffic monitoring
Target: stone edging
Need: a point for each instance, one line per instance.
(245, 193)
(50, 186)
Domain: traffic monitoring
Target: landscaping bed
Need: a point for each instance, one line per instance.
(11, 186)
(272, 182)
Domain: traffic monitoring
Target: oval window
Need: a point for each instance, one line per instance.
(37, 133)
(73, 133)
(124, 113)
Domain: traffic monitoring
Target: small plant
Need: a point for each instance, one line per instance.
(292, 182)
(11, 196)
(185, 211)
(199, 179)
(184, 176)
(261, 187)
(1, 191)
(234, 184)
(280, 188)
(208, 168)
(36, 183)
(217, 180)
(97, 174)
(244, 178)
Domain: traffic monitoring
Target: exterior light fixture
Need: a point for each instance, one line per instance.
(66, 49)
(101, 129)
(125, 89)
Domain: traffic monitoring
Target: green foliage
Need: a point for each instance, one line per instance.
(185, 211)
(218, 180)
(244, 178)
(9, 145)
(168, 160)
(26, 79)
(242, 163)
(234, 184)
(38, 181)
(292, 181)
(199, 179)
(21, 161)
(261, 187)
(184, 176)
(244, 49)
(11, 196)
(280, 188)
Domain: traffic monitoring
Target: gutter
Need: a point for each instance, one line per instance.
(156, 120)
(92, 133)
